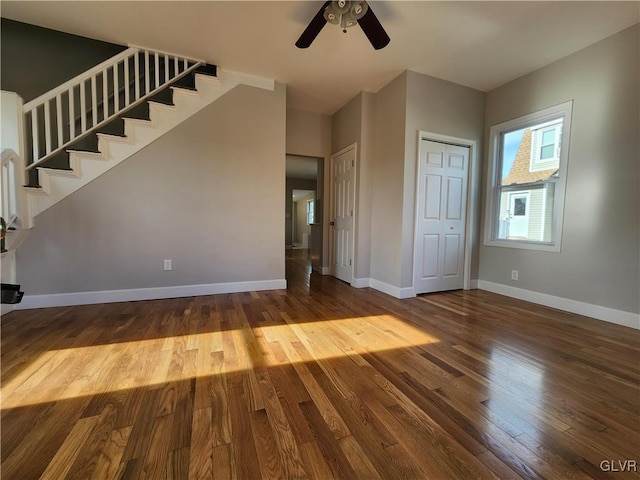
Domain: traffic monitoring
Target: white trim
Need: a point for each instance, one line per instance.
(392, 290)
(154, 293)
(611, 315)
(471, 195)
(361, 282)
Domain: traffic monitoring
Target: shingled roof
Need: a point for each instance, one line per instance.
(520, 171)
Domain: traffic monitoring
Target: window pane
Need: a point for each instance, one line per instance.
(549, 137)
(527, 215)
(520, 207)
(546, 152)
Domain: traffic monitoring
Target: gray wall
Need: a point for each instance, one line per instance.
(446, 108)
(202, 195)
(599, 260)
(36, 59)
(309, 134)
(353, 124)
(411, 103)
(387, 181)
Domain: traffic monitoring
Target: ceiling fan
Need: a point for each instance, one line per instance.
(346, 14)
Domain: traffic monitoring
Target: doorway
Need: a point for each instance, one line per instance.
(303, 207)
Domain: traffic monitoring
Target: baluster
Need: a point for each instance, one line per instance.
(59, 119)
(186, 64)
(83, 107)
(176, 66)
(147, 72)
(72, 115)
(47, 127)
(166, 68)
(94, 102)
(127, 96)
(34, 134)
(156, 59)
(105, 95)
(116, 90)
(136, 65)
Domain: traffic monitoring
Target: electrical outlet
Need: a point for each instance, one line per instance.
(168, 264)
(514, 274)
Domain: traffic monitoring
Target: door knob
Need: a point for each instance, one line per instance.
(332, 223)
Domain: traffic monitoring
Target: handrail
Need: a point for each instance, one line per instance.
(10, 162)
(77, 79)
(97, 96)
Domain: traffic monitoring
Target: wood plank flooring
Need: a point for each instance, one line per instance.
(320, 381)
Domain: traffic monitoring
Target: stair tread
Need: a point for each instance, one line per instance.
(83, 152)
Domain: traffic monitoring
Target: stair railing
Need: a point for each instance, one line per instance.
(86, 102)
(9, 178)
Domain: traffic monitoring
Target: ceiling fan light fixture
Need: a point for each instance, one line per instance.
(331, 16)
(358, 10)
(341, 6)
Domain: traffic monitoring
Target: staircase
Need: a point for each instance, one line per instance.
(56, 144)
(119, 122)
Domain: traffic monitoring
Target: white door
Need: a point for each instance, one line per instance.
(343, 199)
(519, 215)
(441, 217)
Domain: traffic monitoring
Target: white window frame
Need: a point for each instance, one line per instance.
(494, 187)
(538, 165)
(311, 210)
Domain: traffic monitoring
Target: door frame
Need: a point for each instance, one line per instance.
(472, 192)
(354, 147)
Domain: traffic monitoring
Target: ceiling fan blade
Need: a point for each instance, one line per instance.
(373, 30)
(313, 29)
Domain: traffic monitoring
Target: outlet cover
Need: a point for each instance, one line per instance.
(514, 274)
(168, 264)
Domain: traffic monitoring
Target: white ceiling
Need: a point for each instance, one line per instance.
(478, 44)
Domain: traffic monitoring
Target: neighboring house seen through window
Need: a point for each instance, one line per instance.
(527, 180)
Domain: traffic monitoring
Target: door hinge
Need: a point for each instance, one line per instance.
(352, 213)
(349, 262)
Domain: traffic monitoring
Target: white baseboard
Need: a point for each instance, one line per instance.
(361, 282)
(619, 317)
(392, 290)
(135, 294)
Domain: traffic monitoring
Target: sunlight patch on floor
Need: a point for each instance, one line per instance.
(86, 371)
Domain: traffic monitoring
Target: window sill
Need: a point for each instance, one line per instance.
(542, 247)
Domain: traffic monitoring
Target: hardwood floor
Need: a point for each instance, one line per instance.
(318, 381)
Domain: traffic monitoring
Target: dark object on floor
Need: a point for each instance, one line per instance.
(11, 293)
